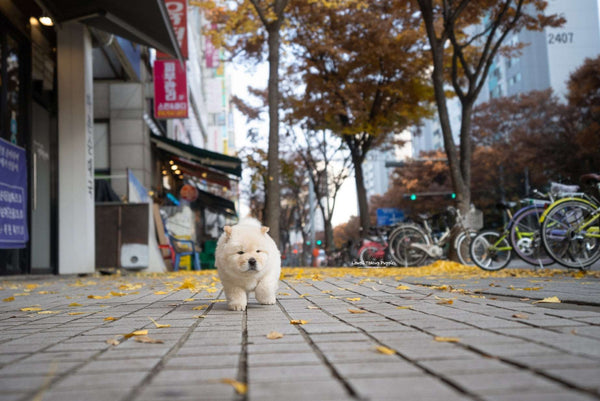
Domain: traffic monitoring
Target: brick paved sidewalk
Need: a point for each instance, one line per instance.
(486, 349)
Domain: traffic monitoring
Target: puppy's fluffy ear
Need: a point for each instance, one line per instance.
(227, 230)
(264, 229)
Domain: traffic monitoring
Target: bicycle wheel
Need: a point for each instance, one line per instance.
(490, 250)
(400, 249)
(570, 234)
(526, 239)
(366, 256)
(463, 247)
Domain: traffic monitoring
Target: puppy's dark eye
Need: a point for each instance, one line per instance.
(240, 252)
(258, 250)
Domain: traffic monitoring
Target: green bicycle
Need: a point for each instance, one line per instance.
(570, 228)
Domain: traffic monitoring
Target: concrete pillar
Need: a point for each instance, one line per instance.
(76, 244)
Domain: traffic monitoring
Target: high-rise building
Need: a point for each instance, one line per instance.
(546, 61)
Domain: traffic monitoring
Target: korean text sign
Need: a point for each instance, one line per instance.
(177, 10)
(170, 89)
(13, 196)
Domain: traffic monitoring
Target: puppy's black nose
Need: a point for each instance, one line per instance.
(252, 262)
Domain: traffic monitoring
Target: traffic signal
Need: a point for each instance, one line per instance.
(319, 242)
(453, 196)
(413, 197)
(308, 243)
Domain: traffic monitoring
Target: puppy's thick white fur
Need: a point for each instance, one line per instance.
(248, 260)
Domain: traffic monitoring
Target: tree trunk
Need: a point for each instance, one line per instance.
(361, 193)
(449, 145)
(273, 205)
(465, 156)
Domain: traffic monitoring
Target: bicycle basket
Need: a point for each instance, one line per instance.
(474, 219)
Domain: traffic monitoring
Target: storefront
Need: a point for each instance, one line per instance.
(47, 123)
(28, 123)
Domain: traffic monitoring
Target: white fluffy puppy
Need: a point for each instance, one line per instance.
(248, 260)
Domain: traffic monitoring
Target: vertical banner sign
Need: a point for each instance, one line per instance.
(170, 89)
(177, 10)
(13, 196)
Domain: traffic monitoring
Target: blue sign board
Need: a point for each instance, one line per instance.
(13, 196)
(388, 216)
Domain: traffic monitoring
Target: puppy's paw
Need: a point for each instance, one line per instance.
(266, 300)
(237, 307)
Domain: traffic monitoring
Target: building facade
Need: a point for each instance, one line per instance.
(76, 105)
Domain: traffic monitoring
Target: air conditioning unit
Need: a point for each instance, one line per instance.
(134, 256)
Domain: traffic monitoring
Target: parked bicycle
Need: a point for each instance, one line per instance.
(493, 250)
(373, 250)
(570, 228)
(412, 244)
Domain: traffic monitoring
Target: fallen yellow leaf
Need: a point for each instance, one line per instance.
(9, 299)
(312, 307)
(446, 339)
(356, 311)
(189, 299)
(218, 300)
(403, 287)
(117, 294)
(74, 304)
(239, 387)
(353, 299)
(198, 317)
(48, 312)
(31, 309)
(444, 301)
(298, 321)
(532, 288)
(520, 316)
(32, 286)
(200, 307)
(283, 294)
(549, 300)
(274, 335)
(158, 325)
(113, 341)
(403, 307)
(76, 313)
(304, 295)
(99, 296)
(136, 333)
(385, 350)
(161, 292)
(147, 340)
(110, 318)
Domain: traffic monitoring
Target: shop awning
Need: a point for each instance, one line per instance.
(206, 199)
(218, 161)
(142, 21)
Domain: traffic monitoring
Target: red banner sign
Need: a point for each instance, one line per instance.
(170, 89)
(177, 10)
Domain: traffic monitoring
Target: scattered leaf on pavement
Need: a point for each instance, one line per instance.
(113, 341)
(136, 333)
(147, 340)
(404, 307)
(356, 311)
(385, 350)
(31, 309)
(520, 316)
(446, 339)
(110, 318)
(353, 299)
(161, 292)
(200, 307)
(9, 299)
(274, 335)
(74, 304)
(403, 287)
(549, 300)
(298, 321)
(158, 325)
(239, 387)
